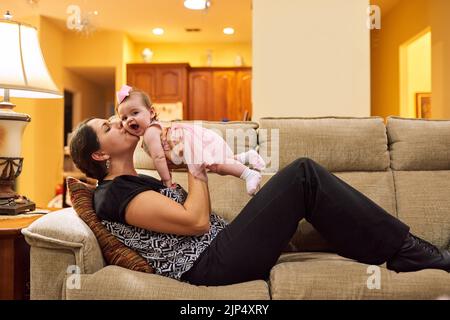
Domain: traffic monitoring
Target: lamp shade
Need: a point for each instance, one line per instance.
(22, 67)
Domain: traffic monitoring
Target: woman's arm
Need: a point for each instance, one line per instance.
(156, 212)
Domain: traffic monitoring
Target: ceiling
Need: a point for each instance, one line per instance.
(138, 17)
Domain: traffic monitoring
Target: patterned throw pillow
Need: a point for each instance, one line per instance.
(114, 251)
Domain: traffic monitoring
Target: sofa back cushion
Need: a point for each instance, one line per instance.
(420, 159)
(240, 136)
(337, 143)
(419, 144)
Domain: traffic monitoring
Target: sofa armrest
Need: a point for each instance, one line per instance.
(60, 240)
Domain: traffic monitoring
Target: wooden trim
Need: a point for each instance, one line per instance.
(221, 68)
(15, 224)
(147, 65)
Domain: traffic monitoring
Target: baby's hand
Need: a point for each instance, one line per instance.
(168, 183)
(174, 185)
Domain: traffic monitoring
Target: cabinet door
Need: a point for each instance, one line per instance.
(224, 87)
(170, 84)
(244, 94)
(143, 79)
(200, 95)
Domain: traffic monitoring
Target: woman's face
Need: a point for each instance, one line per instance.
(113, 138)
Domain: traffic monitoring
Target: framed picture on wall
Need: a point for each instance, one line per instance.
(423, 105)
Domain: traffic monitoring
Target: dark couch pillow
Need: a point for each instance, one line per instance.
(114, 251)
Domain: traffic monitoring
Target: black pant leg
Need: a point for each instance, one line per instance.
(353, 224)
(250, 245)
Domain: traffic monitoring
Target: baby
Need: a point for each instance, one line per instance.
(199, 148)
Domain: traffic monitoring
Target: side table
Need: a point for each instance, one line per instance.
(15, 256)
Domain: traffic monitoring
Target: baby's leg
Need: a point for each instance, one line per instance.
(252, 157)
(235, 168)
(232, 167)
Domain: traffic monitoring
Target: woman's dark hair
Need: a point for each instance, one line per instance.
(83, 143)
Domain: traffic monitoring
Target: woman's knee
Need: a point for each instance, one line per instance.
(298, 165)
(304, 160)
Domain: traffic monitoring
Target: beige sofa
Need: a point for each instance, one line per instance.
(403, 166)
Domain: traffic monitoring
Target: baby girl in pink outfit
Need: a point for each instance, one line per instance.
(199, 148)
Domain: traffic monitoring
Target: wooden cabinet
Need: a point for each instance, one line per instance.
(164, 82)
(224, 91)
(15, 258)
(200, 95)
(143, 78)
(219, 93)
(244, 93)
(209, 93)
(171, 84)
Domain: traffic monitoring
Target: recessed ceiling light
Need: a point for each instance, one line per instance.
(197, 4)
(228, 30)
(158, 31)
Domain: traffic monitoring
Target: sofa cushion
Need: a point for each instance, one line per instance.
(115, 282)
(337, 143)
(419, 144)
(423, 202)
(240, 135)
(114, 251)
(328, 276)
(64, 230)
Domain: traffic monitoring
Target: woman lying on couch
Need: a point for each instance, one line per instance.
(186, 241)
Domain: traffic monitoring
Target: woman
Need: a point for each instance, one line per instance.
(190, 243)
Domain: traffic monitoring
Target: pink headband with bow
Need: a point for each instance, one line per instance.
(123, 93)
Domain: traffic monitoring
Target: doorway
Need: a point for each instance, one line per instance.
(68, 114)
(415, 76)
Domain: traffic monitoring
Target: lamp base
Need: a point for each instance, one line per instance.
(16, 205)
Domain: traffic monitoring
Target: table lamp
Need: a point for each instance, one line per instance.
(23, 74)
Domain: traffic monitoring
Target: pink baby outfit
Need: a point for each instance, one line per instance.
(200, 146)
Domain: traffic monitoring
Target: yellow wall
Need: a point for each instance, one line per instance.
(223, 54)
(407, 20)
(43, 138)
(415, 73)
(403, 23)
(310, 58)
(127, 55)
(101, 49)
(440, 26)
(26, 183)
(89, 98)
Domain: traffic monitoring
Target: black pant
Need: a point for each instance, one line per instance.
(251, 244)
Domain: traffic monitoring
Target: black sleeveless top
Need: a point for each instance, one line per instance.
(112, 197)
